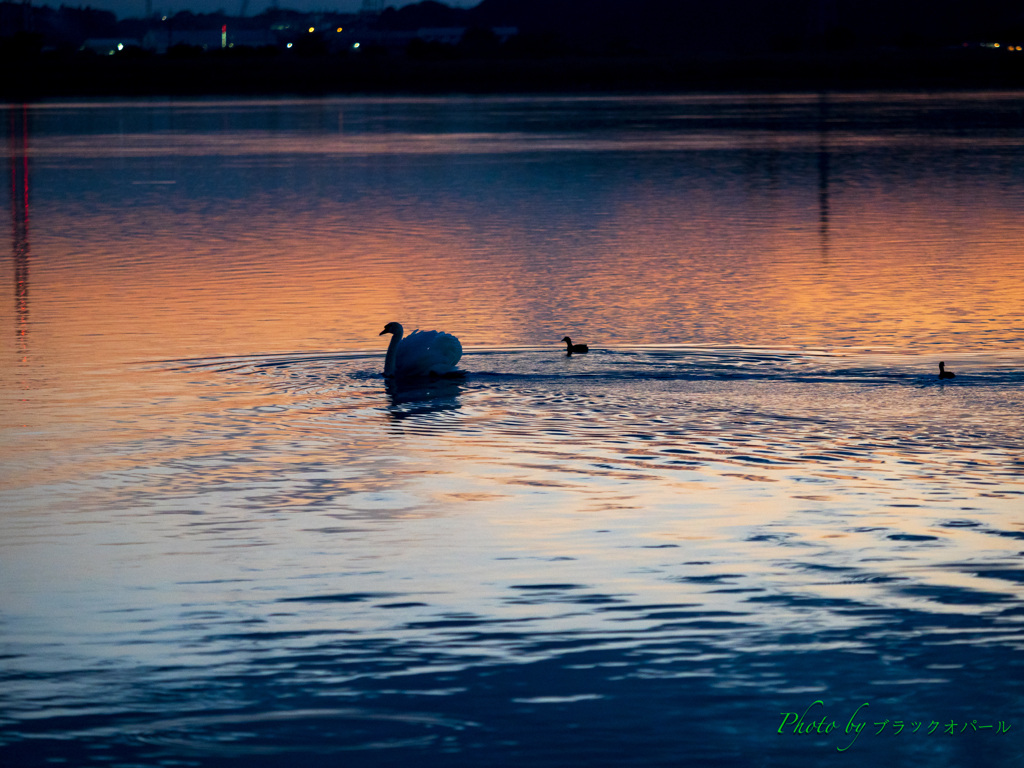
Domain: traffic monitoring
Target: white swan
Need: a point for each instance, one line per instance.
(421, 353)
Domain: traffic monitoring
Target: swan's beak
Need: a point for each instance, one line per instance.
(383, 332)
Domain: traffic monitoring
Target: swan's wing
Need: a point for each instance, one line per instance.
(424, 352)
(448, 350)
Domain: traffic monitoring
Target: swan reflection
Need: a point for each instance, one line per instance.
(422, 397)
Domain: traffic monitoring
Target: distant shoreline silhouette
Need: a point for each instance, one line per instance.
(506, 46)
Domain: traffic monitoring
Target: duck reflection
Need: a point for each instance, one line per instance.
(422, 397)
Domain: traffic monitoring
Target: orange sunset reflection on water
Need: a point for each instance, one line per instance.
(254, 243)
(676, 264)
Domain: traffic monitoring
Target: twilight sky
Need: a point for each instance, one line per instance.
(136, 8)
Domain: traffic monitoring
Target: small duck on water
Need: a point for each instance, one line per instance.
(944, 374)
(570, 348)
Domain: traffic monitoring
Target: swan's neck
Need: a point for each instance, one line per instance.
(389, 360)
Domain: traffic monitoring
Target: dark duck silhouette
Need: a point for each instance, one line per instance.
(944, 374)
(570, 348)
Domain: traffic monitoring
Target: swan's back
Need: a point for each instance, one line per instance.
(422, 353)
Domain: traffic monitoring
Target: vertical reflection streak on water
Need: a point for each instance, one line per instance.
(18, 158)
(823, 161)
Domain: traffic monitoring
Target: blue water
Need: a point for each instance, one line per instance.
(227, 541)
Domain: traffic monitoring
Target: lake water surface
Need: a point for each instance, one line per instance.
(224, 541)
